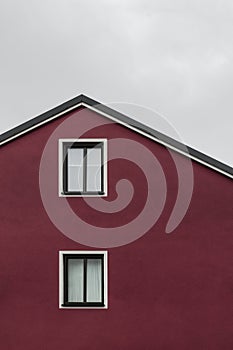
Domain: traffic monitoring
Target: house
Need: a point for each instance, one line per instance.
(113, 236)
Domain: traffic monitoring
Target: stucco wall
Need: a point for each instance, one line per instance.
(165, 291)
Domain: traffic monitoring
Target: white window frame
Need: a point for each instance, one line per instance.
(61, 278)
(60, 166)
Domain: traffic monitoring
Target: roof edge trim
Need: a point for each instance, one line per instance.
(122, 119)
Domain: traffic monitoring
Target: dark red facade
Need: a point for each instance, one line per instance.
(166, 291)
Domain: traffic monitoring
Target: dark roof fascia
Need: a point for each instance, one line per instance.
(28, 125)
(162, 137)
(149, 132)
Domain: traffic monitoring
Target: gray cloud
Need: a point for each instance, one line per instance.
(171, 56)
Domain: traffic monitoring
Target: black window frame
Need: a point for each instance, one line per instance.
(85, 303)
(82, 145)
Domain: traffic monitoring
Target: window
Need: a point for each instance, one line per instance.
(83, 167)
(83, 279)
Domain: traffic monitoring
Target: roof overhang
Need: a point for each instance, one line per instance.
(122, 119)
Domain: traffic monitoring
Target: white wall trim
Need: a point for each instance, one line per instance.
(60, 166)
(157, 140)
(61, 273)
(126, 125)
(42, 123)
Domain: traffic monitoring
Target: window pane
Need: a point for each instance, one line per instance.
(94, 156)
(94, 178)
(75, 156)
(75, 169)
(75, 178)
(94, 169)
(75, 280)
(94, 280)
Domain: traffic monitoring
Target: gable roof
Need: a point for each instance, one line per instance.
(120, 118)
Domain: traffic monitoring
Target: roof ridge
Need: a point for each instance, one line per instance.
(147, 131)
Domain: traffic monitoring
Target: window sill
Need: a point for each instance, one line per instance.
(62, 307)
(83, 194)
(83, 305)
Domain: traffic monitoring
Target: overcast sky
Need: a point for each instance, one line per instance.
(172, 56)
